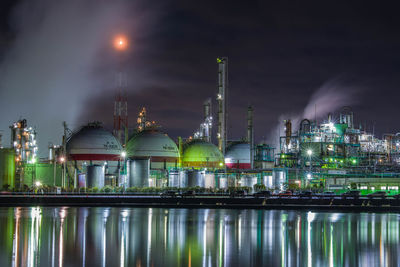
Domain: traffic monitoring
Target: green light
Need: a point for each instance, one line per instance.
(283, 156)
(221, 164)
(219, 60)
(354, 161)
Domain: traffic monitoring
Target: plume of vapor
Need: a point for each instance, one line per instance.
(52, 66)
(330, 97)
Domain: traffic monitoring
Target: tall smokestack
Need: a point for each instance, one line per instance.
(221, 98)
(250, 134)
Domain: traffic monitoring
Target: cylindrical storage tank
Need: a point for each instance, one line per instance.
(7, 167)
(248, 181)
(209, 180)
(110, 180)
(95, 176)
(139, 173)
(278, 179)
(223, 183)
(195, 178)
(81, 180)
(183, 179)
(237, 156)
(173, 179)
(177, 179)
(267, 181)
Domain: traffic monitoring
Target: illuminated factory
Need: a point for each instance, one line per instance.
(333, 154)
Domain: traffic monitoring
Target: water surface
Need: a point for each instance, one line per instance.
(198, 237)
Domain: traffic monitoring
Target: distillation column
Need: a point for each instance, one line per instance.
(207, 124)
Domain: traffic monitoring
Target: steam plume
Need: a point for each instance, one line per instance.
(328, 98)
(52, 66)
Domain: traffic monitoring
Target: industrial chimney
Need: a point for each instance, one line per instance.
(250, 134)
(221, 98)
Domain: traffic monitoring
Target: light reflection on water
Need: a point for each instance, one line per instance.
(199, 237)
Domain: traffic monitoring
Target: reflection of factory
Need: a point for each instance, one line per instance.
(333, 153)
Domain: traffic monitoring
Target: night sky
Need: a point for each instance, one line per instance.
(285, 57)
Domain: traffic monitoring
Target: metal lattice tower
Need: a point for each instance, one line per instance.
(121, 111)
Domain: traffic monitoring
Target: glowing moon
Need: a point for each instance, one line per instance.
(120, 42)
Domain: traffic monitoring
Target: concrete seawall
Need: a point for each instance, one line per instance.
(304, 203)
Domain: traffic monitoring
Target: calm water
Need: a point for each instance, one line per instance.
(201, 237)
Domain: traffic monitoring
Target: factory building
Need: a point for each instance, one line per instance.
(94, 157)
(336, 152)
(332, 153)
(333, 145)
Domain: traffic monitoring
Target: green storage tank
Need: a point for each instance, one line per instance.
(45, 173)
(7, 167)
(201, 154)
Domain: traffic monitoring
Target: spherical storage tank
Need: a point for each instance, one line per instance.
(93, 145)
(201, 154)
(237, 156)
(156, 146)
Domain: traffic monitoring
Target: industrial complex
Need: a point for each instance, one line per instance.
(333, 154)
